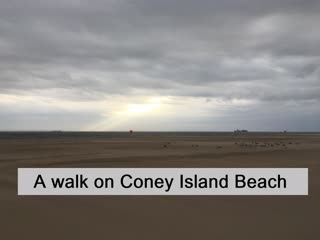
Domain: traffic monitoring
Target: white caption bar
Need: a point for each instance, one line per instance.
(162, 181)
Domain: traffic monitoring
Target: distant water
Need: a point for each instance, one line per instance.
(67, 134)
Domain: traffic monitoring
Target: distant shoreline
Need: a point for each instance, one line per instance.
(101, 134)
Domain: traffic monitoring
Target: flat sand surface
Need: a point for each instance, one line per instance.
(160, 217)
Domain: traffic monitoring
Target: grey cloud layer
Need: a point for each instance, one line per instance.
(264, 50)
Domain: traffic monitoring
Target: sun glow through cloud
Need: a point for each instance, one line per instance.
(149, 106)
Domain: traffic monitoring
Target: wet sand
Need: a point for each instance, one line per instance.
(160, 217)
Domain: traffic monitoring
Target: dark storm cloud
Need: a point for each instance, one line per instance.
(264, 50)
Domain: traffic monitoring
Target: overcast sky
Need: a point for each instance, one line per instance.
(205, 65)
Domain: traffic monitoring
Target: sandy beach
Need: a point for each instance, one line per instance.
(155, 217)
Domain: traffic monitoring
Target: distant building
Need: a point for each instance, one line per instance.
(240, 131)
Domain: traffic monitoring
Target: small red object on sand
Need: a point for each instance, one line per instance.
(130, 131)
